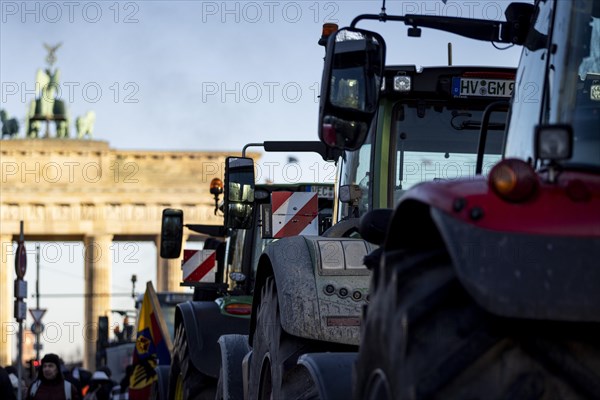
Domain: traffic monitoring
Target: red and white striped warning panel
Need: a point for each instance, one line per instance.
(197, 263)
(295, 213)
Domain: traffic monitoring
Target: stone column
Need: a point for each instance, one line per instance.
(98, 268)
(168, 271)
(8, 324)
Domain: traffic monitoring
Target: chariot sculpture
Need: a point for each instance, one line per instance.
(46, 106)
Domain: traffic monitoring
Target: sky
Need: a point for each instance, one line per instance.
(195, 75)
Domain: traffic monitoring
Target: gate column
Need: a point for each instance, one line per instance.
(8, 326)
(97, 292)
(168, 271)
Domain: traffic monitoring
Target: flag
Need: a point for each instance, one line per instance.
(152, 346)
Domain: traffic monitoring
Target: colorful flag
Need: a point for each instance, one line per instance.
(152, 346)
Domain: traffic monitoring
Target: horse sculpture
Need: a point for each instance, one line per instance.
(10, 127)
(85, 125)
(47, 107)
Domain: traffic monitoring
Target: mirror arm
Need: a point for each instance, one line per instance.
(300, 146)
(210, 230)
(251, 145)
(304, 147)
(479, 29)
(333, 154)
(376, 17)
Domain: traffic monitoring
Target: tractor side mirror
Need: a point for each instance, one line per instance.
(171, 233)
(350, 87)
(239, 192)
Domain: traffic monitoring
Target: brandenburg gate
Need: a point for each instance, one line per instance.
(83, 190)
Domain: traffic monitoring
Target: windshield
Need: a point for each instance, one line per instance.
(578, 86)
(434, 142)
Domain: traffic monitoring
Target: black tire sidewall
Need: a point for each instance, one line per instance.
(266, 341)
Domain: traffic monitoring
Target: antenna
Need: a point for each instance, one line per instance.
(449, 53)
(382, 14)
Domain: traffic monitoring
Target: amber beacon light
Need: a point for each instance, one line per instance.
(514, 180)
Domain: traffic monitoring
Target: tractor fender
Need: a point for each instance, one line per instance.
(204, 324)
(303, 268)
(233, 350)
(529, 260)
(331, 373)
(570, 207)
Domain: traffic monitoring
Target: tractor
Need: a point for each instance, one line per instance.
(484, 286)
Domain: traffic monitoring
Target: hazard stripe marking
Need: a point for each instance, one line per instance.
(293, 205)
(278, 198)
(294, 214)
(197, 263)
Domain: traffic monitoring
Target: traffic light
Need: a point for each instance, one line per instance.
(33, 365)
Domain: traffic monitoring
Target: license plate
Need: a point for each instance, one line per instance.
(479, 87)
(323, 192)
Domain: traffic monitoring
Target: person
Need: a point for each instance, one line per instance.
(118, 334)
(81, 379)
(121, 391)
(50, 383)
(6, 387)
(100, 386)
(13, 375)
(123, 335)
(127, 329)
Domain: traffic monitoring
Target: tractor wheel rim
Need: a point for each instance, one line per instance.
(266, 383)
(378, 387)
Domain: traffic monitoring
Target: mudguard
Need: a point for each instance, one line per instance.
(233, 350)
(523, 275)
(204, 324)
(331, 373)
(322, 285)
(571, 207)
(537, 259)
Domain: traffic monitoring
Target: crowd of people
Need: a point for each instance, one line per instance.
(55, 382)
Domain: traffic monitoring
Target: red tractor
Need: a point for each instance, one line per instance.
(489, 287)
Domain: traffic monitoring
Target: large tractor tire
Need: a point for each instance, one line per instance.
(273, 350)
(274, 373)
(234, 348)
(185, 381)
(425, 338)
(270, 345)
